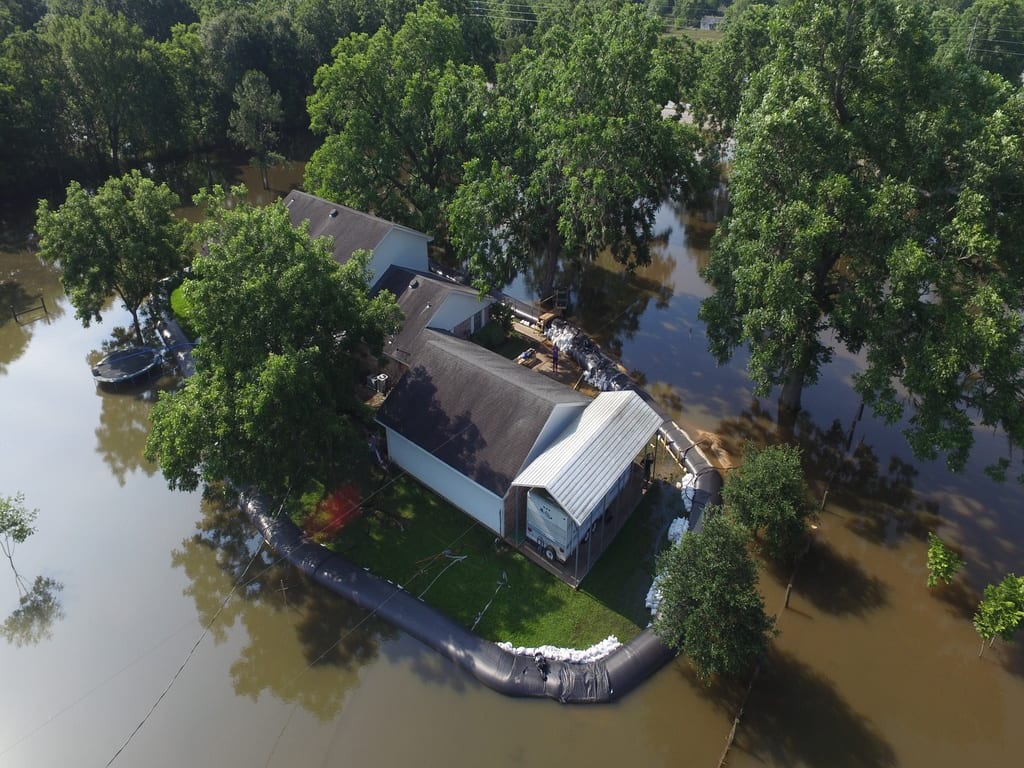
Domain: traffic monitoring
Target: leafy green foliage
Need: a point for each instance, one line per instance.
(254, 119)
(120, 240)
(711, 609)
(943, 561)
(1001, 610)
(397, 112)
(16, 521)
(281, 326)
(116, 89)
(876, 205)
(574, 156)
(768, 494)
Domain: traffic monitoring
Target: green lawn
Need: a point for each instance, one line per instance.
(182, 311)
(408, 535)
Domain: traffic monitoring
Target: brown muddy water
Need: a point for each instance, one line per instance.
(159, 621)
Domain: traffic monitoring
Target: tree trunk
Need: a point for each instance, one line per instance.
(549, 263)
(138, 326)
(789, 405)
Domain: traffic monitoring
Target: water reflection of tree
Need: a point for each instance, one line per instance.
(23, 284)
(841, 467)
(271, 596)
(38, 609)
(121, 434)
(609, 303)
(795, 716)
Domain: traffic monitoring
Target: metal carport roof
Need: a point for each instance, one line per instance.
(582, 465)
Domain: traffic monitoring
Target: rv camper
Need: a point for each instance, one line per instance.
(550, 527)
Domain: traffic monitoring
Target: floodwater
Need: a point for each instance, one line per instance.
(156, 624)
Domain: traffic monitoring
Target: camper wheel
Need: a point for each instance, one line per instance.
(549, 553)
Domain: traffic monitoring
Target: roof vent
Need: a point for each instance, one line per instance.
(415, 283)
(333, 213)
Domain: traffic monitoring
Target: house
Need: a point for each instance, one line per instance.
(391, 244)
(711, 22)
(478, 429)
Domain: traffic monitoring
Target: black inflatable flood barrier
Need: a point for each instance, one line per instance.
(511, 674)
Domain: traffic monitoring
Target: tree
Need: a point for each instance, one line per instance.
(874, 207)
(114, 84)
(33, 135)
(200, 127)
(768, 494)
(281, 324)
(16, 525)
(727, 66)
(575, 157)
(253, 121)
(993, 33)
(943, 561)
(1000, 611)
(397, 114)
(120, 240)
(711, 609)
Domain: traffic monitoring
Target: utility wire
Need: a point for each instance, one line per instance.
(188, 657)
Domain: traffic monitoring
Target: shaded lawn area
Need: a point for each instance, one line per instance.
(408, 535)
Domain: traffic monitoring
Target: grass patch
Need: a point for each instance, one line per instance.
(408, 535)
(514, 345)
(621, 578)
(181, 308)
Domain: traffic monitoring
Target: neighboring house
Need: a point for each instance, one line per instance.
(391, 244)
(428, 301)
(710, 22)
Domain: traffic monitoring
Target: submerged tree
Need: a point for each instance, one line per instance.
(877, 205)
(768, 494)
(1001, 611)
(15, 526)
(943, 561)
(711, 609)
(398, 111)
(281, 327)
(253, 122)
(575, 156)
(120, 240)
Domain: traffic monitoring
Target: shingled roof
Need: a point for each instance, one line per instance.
(352, 230)
(420, 296)
(474, 410)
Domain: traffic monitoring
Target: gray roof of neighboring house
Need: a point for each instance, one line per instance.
(478, 412)
(420, 296)
(591, 455)
(352, 230)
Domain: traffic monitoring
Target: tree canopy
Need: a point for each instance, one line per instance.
(876, 205)
(768, 494)
(281, 327)
(575, 157)
(711, 609)
(120, 240)
(254, 120)
(395, 110)
(1001, 610)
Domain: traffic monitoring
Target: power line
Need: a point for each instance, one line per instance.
(188, 657)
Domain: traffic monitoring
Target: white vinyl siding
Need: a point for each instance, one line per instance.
(472, 498)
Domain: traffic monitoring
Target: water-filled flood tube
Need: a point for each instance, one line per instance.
(512, 674)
